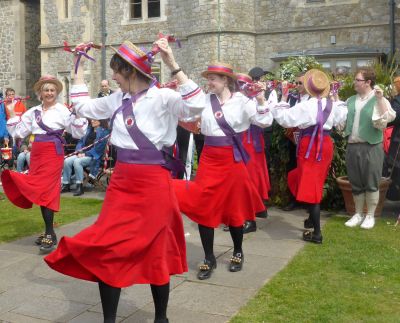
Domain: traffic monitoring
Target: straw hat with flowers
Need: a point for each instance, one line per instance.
(220, 69)
(135, 57)
(316, 83)
(45, 79)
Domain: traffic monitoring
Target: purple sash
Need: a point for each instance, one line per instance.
(239, 153)
(51, 135)
(147, 153)
(322, 117)
(255, 132)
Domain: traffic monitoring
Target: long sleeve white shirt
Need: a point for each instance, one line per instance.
(57, 117)
(156, 113)
(239, 111)
(378, 121)
(304, 114)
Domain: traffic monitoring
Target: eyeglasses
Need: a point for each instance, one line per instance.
(298, 83)
(359, 80)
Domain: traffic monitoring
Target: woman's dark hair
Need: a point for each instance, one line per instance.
(119, 65)
(104, 123)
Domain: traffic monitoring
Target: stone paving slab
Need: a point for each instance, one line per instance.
(31, 292)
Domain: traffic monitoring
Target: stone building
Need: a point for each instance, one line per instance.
(19, 42)
(245, 33)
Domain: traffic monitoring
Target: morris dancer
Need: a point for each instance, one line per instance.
(41, 186)
(253, 141)
(138, 237)
(369, 114)
(315, 118)
(222, 191)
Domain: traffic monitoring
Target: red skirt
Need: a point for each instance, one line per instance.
(42, 185)
(306, 182)
(222, 191)
(257, 166)
(138, 237)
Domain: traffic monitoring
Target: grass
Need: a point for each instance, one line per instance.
(17, 223)
(353, 277)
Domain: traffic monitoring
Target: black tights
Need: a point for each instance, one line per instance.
(207, 240)
(315, 217)
(110, 297)
(48, 217)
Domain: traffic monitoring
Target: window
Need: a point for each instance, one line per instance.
(66, 9)
(143, 9)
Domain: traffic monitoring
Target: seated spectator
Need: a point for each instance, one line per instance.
(24, 156)
(89, 158)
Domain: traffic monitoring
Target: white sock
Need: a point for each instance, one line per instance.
(372, 199)
(359, 201)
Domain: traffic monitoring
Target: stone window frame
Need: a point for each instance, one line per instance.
(320, 3)
(353, 60)
(127, 20)
(60, 5)
(66, 80)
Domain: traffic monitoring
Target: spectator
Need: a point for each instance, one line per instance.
(14, 107)
(24, 156)
(104, 89)
(92, 157)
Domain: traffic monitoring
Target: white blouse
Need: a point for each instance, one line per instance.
(239, 111)
(304, 114)
(57, 117)
(156, 112)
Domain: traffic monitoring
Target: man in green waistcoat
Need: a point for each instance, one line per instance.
(368, 114)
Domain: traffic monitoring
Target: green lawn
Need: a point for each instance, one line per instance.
(16, 223)
(353, 277)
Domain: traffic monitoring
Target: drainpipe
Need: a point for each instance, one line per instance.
(392, 5)
(219, 32)
(103, 39)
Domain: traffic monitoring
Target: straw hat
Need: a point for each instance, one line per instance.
(134, 56)
(316, 83)
(48, 79)
(220, 69)
(242, 77)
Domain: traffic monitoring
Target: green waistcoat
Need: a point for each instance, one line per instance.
(366, 131)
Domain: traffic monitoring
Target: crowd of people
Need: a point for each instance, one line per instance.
(138, 237)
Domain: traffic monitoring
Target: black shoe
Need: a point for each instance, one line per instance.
(249, 226)
(236, 262)
(49, 243)
(308, 224)
(205, 269)
(65, 188)
(291, 206)
(79, 190)
(262, 214)
(310, 237)
(39, 239)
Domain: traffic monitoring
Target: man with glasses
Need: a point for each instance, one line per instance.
(368, 115)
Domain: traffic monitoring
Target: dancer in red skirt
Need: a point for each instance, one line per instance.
(138, 237)
(222, 191)
(315, 118)
(41, 186)
(253, 141)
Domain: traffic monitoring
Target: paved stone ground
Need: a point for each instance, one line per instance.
(31, 292)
